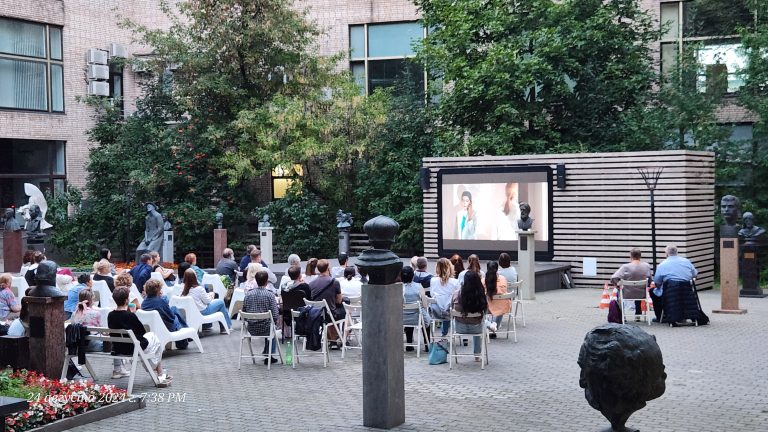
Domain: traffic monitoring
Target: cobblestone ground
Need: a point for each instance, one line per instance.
(717, 381)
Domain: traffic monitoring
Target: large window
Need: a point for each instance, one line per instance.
(711, 28)
(41, 163)
(283, 178)
(31, 69)
(380, 53)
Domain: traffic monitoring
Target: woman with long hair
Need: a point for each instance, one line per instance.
(458, 264)
(311, 271)
(167, 274)
(471, 299)
(496, 284)
(204, 301)
(473, 264)
(441, 288)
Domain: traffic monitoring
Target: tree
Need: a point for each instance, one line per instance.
(537, 76)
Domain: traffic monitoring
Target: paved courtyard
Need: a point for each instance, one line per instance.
(717, 381)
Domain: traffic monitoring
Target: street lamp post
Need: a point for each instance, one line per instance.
(651, 178)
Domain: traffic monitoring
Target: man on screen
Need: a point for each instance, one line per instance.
(466, 219)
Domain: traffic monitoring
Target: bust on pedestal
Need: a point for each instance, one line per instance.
(45, 304)
(383, 372)
(750, 260)
(526, 255)
(730, 209)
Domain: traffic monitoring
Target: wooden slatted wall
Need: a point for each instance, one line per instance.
(604, 210)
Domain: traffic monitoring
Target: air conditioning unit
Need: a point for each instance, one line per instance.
(97, 56)
(98, 72)
(98, 88)
(117, 50)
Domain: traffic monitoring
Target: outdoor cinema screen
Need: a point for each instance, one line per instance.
(479, 209)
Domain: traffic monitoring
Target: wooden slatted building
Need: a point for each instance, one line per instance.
(604, 209)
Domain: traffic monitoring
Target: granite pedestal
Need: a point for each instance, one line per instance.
(526, 259)
(12, 251)
(219, 244)
(729, 277)
(46, 334)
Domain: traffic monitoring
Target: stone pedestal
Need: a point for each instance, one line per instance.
(219, 244)
(265, 244)
(12, 251)
(526, 259)
(383, 372)
(729, 277)
(46, 334)
(343, 241)
(750, 272)
(166, 255)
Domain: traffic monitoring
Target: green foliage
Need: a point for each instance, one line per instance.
(537, 76)
(302, 225)
(14, 387)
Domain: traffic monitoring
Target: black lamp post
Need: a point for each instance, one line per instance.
(651, 178)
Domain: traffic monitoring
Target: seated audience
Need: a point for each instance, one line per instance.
(10, 307)
(191, 259)
(496, 284)
(122, 318)
(413, 293)
(338, 271)
(293, 260)
(350, 287)
(27, 260)
(20, 325)
(106, 254)
(170, 315)
(204, 300)
(227, 265)
(103, 274)
(674, 294)
(471, 298)
(180, 270)
(421, 275)
(294, 273)
(166, 274)
(37, 258)
(324, 287)
(506, 269)
(441, 288)
(244, 261)
(310, 273)
(473, 264)
(634, 270)
(73, 296)
(458, 265)
(261, 300)
(250, 277)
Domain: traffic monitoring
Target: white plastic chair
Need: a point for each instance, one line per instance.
(433, 318)
(514, 287)
(304, 353)
(338, 325)
(215, 281)
(354, 323)
(136, 295)
(418, 328)
(237, 296)
(244, 334)
(104, 312)
(19, 287)
(631, 291)
(157, 276)
(105, 295)
(154, 321)
(453, 351)
(192, 314)
(510, 315)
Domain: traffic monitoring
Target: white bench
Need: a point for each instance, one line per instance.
(104, 334)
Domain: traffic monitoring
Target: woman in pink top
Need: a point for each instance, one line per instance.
(496, 284)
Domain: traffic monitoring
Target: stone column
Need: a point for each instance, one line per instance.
(383, 372)
(750, 272)
(166, 255)
(526, 263)
(12, 251)
(46, 334)
(729, 276)
(219, 244)
(265, 244)
(344, 225)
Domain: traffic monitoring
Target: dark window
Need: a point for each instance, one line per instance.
(42, 163)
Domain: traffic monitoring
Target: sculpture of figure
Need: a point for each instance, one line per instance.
(264, 222)
(750, 232)
(621, 369)
(35, 198)
(10, 222)
(45, 281)
(153, 230)
(730, 209)
(344, 220)
(220, 219)
(526, 221)
(34, 224)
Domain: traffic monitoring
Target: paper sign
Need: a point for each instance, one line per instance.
(589, 267)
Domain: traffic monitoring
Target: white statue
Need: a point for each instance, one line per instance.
(35, 198)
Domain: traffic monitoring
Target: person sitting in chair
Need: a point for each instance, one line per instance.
(170, 314)
(674, 295)
(634, 270)
(260, 300)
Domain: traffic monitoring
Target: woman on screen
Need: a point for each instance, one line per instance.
(510, 213)
(466, 219)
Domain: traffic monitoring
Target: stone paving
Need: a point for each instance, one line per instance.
(717, 381)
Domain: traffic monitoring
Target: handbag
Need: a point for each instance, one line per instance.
(438, 354)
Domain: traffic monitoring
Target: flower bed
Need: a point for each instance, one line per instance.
(52, 400)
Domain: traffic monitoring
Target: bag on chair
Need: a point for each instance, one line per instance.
(614, 312)
(438, 354)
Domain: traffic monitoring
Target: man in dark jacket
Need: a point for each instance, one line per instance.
(170, 315)
(142, 272)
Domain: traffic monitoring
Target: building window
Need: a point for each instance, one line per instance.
(711, 28)
(380, 53)
(116, 85)
(283, 177)
(31, 69)
(42, 163)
